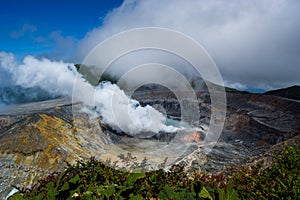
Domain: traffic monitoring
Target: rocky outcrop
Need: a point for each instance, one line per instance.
(37, 144)
(254, 124)
(39, 138)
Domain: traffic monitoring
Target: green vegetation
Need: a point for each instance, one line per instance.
(95, 180)
(279, 181)
(108, 77)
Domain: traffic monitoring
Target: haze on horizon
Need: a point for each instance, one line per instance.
(254, 43)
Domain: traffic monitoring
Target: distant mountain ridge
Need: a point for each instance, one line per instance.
(17, 94)
(292, 92)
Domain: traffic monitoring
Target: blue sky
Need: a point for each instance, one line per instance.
(254, 43)
(36, 27)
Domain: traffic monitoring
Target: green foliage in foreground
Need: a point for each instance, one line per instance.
(95, 180)
(279, 181)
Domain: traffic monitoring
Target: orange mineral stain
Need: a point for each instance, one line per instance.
(193, 137)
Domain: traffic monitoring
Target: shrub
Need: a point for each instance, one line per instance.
(96, 180)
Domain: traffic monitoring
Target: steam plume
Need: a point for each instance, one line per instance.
(58, 79)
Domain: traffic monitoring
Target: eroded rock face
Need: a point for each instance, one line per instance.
(254, 124)
(33, 145)
(39, 138)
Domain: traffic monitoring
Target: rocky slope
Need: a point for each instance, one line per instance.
(254, 124)
(39, 138)
(292, 92)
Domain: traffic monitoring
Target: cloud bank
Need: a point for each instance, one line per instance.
(254, 43)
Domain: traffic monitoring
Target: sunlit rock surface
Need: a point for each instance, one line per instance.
(39, 138)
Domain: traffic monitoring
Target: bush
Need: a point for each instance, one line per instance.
(281, 180)
(95, 180)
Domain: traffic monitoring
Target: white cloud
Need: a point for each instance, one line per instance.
(236, 85)
(253, 42)
(61, 47)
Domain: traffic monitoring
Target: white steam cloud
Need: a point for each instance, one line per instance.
(253, 42)
(107, 100)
